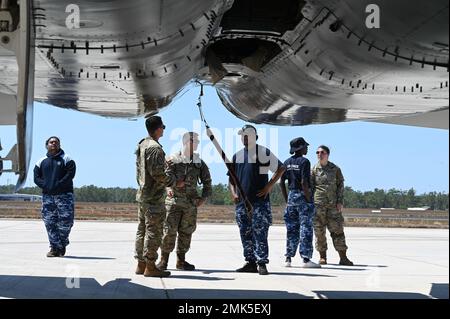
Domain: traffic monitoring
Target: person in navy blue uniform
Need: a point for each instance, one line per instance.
(54, 175)
(300, 210)
(252, 165)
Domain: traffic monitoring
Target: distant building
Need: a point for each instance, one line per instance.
(20, 197)
(419, 209)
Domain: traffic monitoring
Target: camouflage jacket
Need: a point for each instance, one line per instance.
(193, 172)
(327, 184)
(151, 172)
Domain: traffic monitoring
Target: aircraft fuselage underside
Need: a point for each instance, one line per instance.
(285, 62)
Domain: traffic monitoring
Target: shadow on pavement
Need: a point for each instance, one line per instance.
(191, 277)
(28, 287)
(212, 271)
(344, 268)
(88, 258)
(369, 295)
(355, 265)
(439, 291)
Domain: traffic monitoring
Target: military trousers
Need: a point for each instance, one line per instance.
(298, 218)
(329, 217)
(180, 220)
(150, 230)
(254, 232)
(58, 215)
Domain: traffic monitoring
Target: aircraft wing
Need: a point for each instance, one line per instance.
(284, 62)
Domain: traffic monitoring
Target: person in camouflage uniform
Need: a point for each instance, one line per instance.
(54, 174)
(299, 212)
(328, 187)
(152, 178)
(182, 203)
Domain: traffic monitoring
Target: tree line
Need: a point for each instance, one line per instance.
(378, 198)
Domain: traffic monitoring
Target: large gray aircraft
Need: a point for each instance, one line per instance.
(283, 62)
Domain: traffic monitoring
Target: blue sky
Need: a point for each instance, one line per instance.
(370, 155)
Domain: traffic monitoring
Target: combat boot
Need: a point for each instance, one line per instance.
(323, 258)
(140, 269)
(53, 253)
(182, 264)
(162, 265)
(249, 266)
(152, 271)
(344, 260)
(262, 270)
(288, 262)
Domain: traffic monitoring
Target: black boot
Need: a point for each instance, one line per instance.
(54, 253)
(250, 266)
(182, 264)
(262, 269)
(344, 259)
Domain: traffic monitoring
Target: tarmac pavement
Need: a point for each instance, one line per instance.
(390, 263)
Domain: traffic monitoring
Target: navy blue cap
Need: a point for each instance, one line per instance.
(298, 144)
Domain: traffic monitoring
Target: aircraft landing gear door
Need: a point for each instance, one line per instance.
(17, 34)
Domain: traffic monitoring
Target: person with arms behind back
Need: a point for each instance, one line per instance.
(54, 174)
(328, 187)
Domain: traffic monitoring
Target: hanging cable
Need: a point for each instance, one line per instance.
(229, 165)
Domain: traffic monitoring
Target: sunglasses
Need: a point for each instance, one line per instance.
(320, 152)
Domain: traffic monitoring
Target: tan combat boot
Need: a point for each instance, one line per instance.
(182, 264)
(140, 269)
(323, 258)
(162, 265)
(152, 271)
(344, 260)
